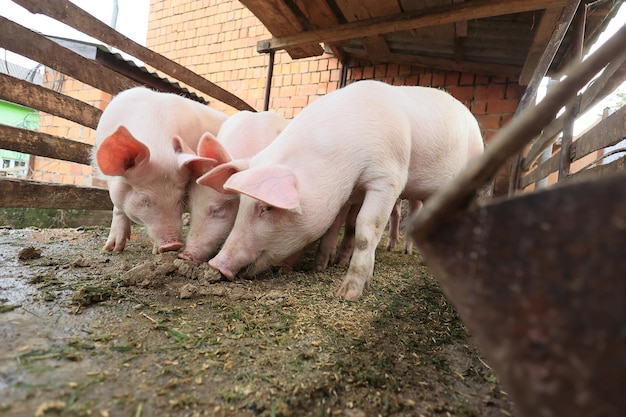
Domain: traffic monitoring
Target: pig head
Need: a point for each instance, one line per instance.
(144, 141)
(213, 213)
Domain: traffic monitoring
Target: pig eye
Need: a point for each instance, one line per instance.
(266, 209)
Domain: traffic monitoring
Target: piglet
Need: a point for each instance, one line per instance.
(143, 140)
(213, 213)
(369, 143)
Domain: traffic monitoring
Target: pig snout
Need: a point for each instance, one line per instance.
(221, 265)
(192, 255)
(169, 245)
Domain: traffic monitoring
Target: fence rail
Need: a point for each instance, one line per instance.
(106, 74)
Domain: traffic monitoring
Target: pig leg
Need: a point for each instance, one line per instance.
(394, 225)
(414, 207)
(347, 243)
(327, 248)
(120, 231)
(370, 224)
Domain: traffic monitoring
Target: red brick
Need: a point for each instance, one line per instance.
(467, 78)
(465, 93)
(438, 80)
(479, 107)
(503, 106)
(452, 78)
(489, 121)
(425, 80)
(489, 92)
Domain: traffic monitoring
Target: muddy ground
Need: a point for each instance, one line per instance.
(90, 333)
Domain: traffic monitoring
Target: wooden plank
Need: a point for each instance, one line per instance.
(16, 193)
(280, 21)
(32, 45)
(440, 15)
(598, 171)
(66, 12)
(612, 76)
(511, 139)
(460, 28)
(607, 132)
(445, 64)
(319, 15)
(43, 144)
(41, 98)
(376, 46)
(544, 31)
(549, 166)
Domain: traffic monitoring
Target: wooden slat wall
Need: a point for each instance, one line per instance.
(608, 132)
(15, 192)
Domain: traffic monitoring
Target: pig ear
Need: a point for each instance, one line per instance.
(209, 147)
(275, 185)
(221, 173)
(196, 165)
(180, 146)
(120, 152)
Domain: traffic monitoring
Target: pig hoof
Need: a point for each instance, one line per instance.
(349, 291)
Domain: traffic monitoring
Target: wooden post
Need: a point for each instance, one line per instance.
(268, 84)
(572, 109)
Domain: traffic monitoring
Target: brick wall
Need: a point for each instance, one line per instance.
(217, 39)
(56, 171)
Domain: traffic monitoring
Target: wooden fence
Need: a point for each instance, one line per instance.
(105, 75)
(588, 148)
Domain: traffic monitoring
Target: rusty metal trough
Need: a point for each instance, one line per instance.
(539, 279)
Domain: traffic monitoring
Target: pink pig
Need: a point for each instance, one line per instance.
(213, 213)
(369, 143)
(142, 141)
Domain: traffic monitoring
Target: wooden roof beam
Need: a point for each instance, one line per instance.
(544, 31)
(433, 16)
(444, 64)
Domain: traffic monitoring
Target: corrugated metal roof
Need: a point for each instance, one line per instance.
(128, 67)
(23, 73)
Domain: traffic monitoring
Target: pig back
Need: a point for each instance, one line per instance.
(154, 118)
(444, 137)
(246, 133)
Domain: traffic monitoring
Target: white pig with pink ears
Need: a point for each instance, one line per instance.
(213, 213)
(143, 140)
(367, 143)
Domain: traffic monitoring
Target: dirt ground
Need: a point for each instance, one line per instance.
(85, 332)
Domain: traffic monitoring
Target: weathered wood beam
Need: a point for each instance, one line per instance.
(353, 11)
(598, 171)
(547, 56)
(460, 28)
(43, 144)
(612, 76)
(41, 98)
(543, 33)
(280, 21)
(511, 139)
(66, 12)
(444, 64)
(18, 193)
(608, 132)
(406, 21)
(32, 45)
(546, 168)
